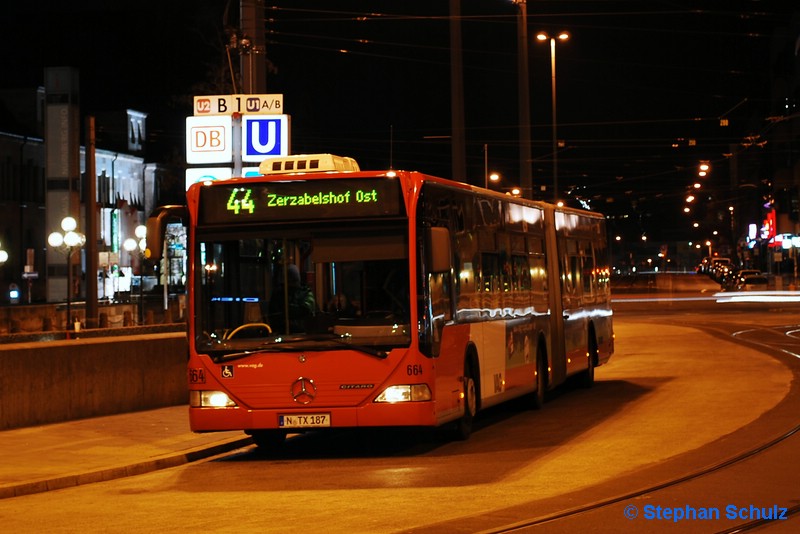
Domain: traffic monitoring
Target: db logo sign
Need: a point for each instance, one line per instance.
(208, 139)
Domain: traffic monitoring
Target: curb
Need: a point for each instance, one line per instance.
(111, 473)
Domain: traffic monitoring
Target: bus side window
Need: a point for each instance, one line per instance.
(440, 295)
(588, 274)
(440, 309)
(571, 269)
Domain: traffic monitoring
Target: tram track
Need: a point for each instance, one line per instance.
(768, 339)
(528, 524)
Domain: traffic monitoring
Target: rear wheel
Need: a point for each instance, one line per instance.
(586, 378)
(541, 381)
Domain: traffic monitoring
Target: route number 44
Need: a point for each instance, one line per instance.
(240, 200)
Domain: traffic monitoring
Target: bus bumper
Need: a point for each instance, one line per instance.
(373, 415)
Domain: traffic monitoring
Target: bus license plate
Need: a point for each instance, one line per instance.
(308, 420)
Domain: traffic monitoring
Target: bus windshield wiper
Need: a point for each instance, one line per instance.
(277, 348)
(243, 354)
(360, 348)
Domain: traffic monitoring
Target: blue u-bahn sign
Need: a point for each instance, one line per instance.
(264, 135)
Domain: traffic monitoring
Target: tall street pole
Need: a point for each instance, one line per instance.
(458, 135)
(542, 37)
(253, 61)
(90, 202)
(525, 159)
(555, 133)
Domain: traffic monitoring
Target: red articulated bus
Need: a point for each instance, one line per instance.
(323, 296)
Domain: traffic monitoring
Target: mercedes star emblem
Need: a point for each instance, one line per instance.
(304, 390)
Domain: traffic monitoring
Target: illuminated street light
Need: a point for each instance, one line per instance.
(494, 177)
(3, 255)
(562, 36)
(131, 245)
(67, 242)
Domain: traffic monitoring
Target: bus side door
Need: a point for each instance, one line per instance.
(571, 304)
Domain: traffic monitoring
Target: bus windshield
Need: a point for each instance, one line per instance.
(301, 289)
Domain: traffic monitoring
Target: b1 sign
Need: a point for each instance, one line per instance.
(264, 135)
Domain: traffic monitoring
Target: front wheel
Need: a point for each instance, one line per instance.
(268, 440)
(464, 425)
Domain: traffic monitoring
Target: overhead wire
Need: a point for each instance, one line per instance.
(383, 48)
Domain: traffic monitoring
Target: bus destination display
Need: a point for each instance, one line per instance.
(312, 199)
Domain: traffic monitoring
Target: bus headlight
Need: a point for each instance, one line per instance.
(210, 399)
(405, 393)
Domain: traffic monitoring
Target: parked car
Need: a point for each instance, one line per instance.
(719, 266)
(703, 266)
(732, 277)
(752, 282)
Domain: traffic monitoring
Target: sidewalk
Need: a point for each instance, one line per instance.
(48, 457)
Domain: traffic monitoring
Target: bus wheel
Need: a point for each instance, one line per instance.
(268, 440)
(586, 378)
(541, 382)
(464, 425)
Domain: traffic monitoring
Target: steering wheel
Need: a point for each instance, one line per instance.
(247, 326)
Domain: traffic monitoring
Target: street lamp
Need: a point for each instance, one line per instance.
(67, 242)
(130, 245)
(494, 177)
(562, 36)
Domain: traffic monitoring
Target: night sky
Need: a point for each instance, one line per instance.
(641, 86)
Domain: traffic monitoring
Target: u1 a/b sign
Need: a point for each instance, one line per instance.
(209, 139)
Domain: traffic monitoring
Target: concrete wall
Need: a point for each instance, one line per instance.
(53, 317)
(79, 378)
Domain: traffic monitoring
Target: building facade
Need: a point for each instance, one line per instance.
(43, 179)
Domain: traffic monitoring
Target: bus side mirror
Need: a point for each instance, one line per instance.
(156, 226)
(438, 249)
